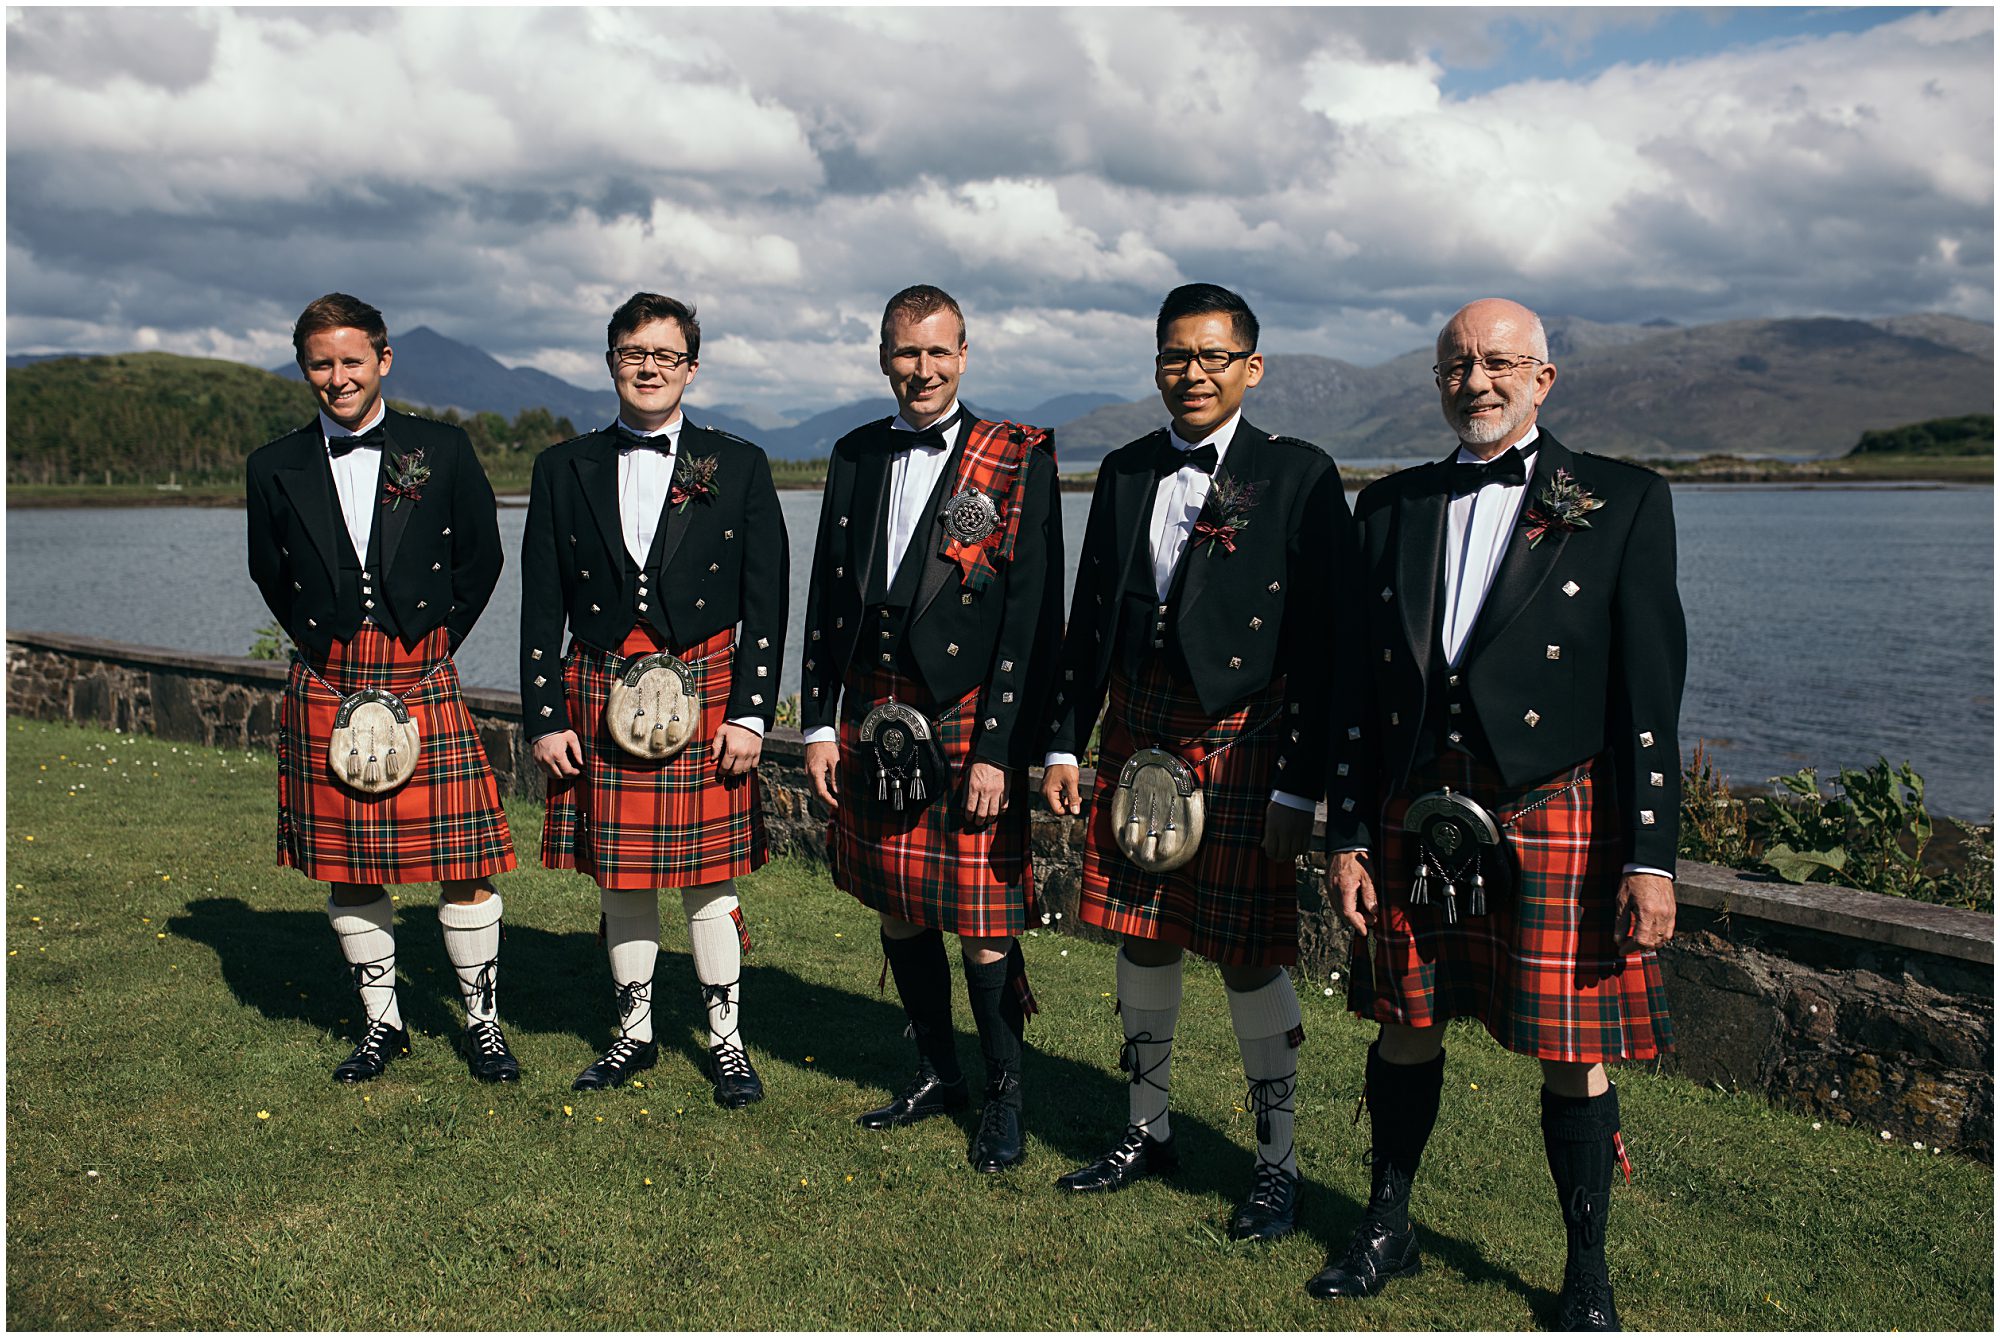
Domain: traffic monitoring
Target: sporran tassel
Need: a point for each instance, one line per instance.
(1478, 892)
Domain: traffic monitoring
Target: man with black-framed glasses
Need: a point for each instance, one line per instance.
(661, 544)
(1204, 607)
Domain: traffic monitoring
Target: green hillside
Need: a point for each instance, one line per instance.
(1970, 435)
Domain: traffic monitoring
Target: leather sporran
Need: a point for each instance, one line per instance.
(374, 746)
(1157, 811)
(903, 748)
(653, 709)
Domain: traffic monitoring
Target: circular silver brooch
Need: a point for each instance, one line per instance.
(971, 517)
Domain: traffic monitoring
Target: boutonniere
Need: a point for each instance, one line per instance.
(694, 480)
(1227, 514)
(407, 476)
(1563, 505)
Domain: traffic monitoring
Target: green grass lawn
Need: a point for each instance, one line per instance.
(178, 1158)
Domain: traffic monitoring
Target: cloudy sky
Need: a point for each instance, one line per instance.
(187, 179)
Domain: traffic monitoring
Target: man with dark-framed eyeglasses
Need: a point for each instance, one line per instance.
(661, 544)
(1514, 859)
(1204, 606)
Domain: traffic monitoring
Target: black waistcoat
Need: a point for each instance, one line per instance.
(647, 606)
(1146, 624)
(886, 618)
(360, 586)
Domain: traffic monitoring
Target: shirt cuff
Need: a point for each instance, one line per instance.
(1293, 801)
(1059, 760)
(823, 734)
(1647, 868)
(749, 722)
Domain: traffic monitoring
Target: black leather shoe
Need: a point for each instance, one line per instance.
(736, 1083)
(625, 1058)
(379, 1044)
(998, 1143)
(1272, 1208)
(927, 1095)
(487, 1055)
(1585, 1305)
(1374, 1256)
(1137, 1155)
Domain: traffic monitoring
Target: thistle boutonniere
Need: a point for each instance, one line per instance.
(1563, 505)
(694, 480)
(407, 476)
(1227, 514)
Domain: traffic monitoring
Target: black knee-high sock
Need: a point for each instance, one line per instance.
(923, 982)
(1402, 1110)
(988, 989)
(1577, 1131)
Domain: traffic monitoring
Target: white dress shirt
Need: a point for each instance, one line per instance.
(1479, 526)
(913, 473)
(354, 478)
(644, 479)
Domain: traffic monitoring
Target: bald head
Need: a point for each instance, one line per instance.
(1491, 411)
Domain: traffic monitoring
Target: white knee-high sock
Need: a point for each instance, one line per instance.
(632, 942)
(472, 941)
(1149, 1002)
(1267, 1031)
(718, 957)
(368, 942)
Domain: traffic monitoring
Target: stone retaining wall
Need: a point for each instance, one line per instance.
(1860, 1009)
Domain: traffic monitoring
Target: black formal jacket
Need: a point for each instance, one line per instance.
(723, 562)
(1579, 649)
(1003, 637)
(1238, 620)
(440, 554)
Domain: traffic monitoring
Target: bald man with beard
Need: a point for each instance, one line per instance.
(1514, 861)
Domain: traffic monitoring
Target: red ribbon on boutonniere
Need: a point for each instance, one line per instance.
(694, 480)
(1230, 502)
(1564, 505)
(407, 476)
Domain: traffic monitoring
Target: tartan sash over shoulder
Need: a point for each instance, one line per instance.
(994, 462)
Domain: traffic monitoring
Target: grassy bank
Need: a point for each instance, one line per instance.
(177, 1157)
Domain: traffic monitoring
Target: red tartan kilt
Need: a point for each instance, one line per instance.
(1230, 903)
(1541, 969)
(632, 823)
(445, 823)
(922, 864)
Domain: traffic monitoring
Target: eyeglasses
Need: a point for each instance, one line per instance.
(1497, 367)
(669, 360)
(1211, 359)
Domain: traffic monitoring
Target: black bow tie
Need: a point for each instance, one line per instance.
(1169, 458)
(628, 440)
(932, 436)
(376, 436)
(1510, 466)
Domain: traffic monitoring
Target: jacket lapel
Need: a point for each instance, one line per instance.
(393, 519)
(1131, 513)
(864, 508)
(1523, 569)
(308, 481)
(1241, 463)
(1420, 535)
(596, 469)
(693, 442)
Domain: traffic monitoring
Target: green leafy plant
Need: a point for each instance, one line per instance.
(1715, 824)
(788, 712)
(271, 643)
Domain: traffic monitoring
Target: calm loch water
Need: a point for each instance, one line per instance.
(1825, 625)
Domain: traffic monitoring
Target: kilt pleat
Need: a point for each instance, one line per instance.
(632, 823)
(923, 864)
(445, 823)
(1230, 903)
(1541, 969)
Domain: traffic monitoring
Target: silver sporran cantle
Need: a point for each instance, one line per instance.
(374, 746)
(909, 760)
(653, 709)
(1157, 812)
(1458, 844)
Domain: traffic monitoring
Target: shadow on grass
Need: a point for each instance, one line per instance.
(556, 983)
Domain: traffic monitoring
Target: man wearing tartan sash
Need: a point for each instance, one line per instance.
(934, 610)
(1514, 860)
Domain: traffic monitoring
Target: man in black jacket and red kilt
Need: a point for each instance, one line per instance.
(661, 544)
(930, 637)
(374, 541)
(1514, 863)
(1203, 603)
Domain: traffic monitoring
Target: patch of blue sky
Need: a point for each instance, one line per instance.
(1577, 44)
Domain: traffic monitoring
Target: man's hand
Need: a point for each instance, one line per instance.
(1645, 911)
(1062, 787)
(559, 755)
(1287, 831)
(822, 759)
(736, 750)
(1351, 889)
(985, 795)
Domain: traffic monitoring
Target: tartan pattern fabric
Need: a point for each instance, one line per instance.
(633, 823)
(994, 461)
(445, 823)
(1229, 903)
(922, 865)
(1541, 969)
